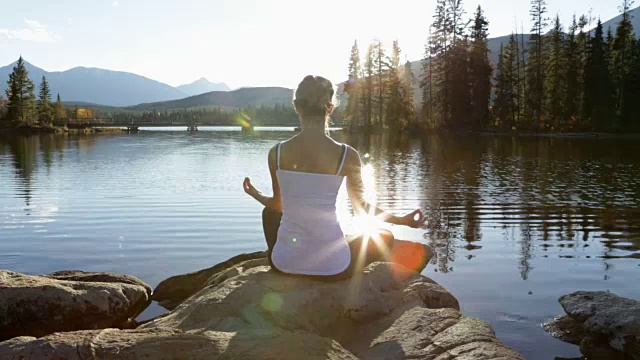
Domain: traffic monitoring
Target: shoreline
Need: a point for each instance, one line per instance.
(417, 132)
(39, 130)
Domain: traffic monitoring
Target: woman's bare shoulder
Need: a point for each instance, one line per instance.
(353, 156)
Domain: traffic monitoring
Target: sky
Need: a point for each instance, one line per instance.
(239, 42)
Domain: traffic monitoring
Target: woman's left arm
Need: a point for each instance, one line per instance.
(273, 202)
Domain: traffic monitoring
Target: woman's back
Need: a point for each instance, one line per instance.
(310, 153)
(310, 240)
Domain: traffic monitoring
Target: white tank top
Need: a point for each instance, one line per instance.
(310, 239)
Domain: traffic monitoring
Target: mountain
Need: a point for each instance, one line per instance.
(258, 96)
(613, 23)
(202, 86)
(106, 87)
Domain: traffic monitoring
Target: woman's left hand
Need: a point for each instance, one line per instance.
(414, 219)
(249, 188)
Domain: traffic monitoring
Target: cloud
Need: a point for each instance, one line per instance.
(34, 32)
(4, 37)
(115, 3)
(34, 24)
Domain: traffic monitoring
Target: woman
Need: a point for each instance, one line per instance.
(300, 222)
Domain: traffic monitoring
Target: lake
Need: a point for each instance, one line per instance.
(516, 222)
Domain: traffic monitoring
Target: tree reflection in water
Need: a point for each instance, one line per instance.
(559, 193)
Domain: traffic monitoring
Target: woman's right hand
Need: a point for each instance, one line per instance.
(414, 219)
(249, 188)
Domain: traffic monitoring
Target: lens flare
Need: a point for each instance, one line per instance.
(272, 302)
(243, 120)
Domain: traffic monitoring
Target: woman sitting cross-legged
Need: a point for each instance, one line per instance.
(300, 222)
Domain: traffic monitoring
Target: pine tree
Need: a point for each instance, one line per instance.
(408, 106)
(536, 63)
(60, 114)
(622, 50)
(570, 54)
(426, 83)
(555, 82)
(460, 91)
(582, 39)
(505, 107)
(480, 71)
(367, 89)
(633, 89)
(351, 88)
(394, 116)
(3, 111)
(21, 97)
(500, 109)
(598, 96)
(519, 75)
(380, 65)
(513, 79)
(522, 78)
(439, 53)
(457, 68)
(44, 108)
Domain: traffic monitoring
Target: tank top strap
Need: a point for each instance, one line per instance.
(344, 156)
(278, 157)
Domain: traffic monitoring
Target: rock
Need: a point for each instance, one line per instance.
(171, 344)
(174, 290)
(77, 275)
(597, 348)
(371, 315)
(422, 333)
(609, 325)
(40, 305)
(566, 329)
(247, 311)
(620, 325)
(582, 305)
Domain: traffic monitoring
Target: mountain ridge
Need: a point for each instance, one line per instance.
(95, 85)
(250, 96)
(201, 86)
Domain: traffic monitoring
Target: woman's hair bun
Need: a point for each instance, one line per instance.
(315, 95)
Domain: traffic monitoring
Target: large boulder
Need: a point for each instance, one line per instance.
(41, 305)
(248, 311)
(102, 277)
(387, 311)
(174, 290)
(171, 344)
(605, 325)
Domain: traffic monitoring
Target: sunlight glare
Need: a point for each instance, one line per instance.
(243, 120)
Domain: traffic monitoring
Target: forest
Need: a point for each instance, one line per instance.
(554, 79)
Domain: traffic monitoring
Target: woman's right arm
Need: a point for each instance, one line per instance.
(355, 188)
(273, 202)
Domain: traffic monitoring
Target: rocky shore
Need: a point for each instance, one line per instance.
(240, 309)
(605, 325)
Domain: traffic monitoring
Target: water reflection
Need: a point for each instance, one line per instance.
(515, 223)
(544, 193)
(27, 152)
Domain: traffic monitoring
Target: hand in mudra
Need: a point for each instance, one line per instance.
(249, 188)
(414, 219)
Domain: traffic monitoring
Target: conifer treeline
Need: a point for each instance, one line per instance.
(380, 90)
(578, 79)
(22, 108)
(276, 115)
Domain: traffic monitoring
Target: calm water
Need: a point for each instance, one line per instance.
(516, 222)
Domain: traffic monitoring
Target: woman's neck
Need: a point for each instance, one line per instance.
(315, 126)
